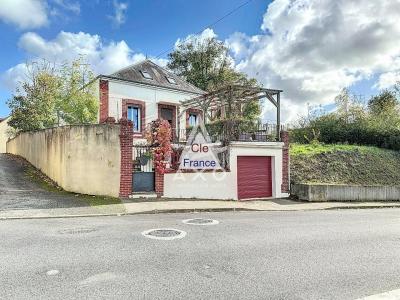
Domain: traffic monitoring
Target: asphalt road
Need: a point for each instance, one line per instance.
(343, 254)
(17, 191)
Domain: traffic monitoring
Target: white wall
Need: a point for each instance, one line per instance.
(151, 95)
(223, 185)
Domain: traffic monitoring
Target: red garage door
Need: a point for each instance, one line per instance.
(254, 177)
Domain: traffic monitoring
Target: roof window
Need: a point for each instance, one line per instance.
(171, 80)
(146, 75)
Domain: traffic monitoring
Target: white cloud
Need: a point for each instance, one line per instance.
(73, 7)
(120, 9)
(24, 13)
(387, 80)
(206, 34)
(104, 58)
(313, 48)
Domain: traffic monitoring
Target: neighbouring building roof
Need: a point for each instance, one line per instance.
(147, 72)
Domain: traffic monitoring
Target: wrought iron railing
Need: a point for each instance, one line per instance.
(142, 156)
(253, 133)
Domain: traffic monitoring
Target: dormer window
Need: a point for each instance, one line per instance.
(146, 75)
(171, 80)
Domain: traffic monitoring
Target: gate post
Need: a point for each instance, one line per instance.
(159, 184)
(285, 187)
(126, 143)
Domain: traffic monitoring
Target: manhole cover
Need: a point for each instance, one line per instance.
(76, 230)
(200, 221)
(164, 234)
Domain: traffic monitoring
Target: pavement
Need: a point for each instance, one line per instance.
(20, 197)
(322, 254)
(160, 206)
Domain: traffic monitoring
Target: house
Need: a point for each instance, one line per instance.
(255, 165)
(144, 92)
(4, 128)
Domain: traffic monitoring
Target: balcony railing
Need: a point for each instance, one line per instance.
(253, 133)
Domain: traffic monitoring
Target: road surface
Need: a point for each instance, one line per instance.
(342, 254)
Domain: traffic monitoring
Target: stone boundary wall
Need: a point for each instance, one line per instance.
(81, 158)
(330, 192)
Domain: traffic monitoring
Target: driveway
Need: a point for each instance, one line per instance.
(18, 191)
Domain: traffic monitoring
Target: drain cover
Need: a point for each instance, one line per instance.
(200, 221)
(76, 230)
(164, 234)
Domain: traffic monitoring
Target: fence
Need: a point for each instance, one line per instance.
(234, 132)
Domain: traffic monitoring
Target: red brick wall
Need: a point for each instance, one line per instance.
(103, 88)
(126, 141)
(285, 162)
(159, 184)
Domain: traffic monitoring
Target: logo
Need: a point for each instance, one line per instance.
(200, 153)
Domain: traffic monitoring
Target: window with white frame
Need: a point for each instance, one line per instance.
(134, 116)
(192, 119)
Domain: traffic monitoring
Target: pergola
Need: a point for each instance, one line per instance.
(230, 99)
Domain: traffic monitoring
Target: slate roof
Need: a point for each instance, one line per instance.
(159, 76)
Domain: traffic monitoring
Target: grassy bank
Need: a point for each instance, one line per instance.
(344, 164)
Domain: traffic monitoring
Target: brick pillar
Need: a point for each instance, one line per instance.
(103, 88)
(285, 162)
(159, 184)
(126, 141)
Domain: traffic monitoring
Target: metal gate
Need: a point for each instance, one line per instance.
(143, 169)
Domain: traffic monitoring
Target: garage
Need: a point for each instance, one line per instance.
(254, 177)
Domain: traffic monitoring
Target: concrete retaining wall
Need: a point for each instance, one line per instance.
(324, 192)
(83, 159)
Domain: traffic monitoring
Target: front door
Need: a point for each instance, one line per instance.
(167, 114)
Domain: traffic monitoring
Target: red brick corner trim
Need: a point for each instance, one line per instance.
(126, 142)
(103, 90)
(159, 182)
(285, 187)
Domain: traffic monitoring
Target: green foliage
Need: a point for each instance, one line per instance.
(354, 124)
(384, 103)
(34, 105)
(50, 96)
(78, 103)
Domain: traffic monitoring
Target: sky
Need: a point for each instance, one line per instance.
(310, 49)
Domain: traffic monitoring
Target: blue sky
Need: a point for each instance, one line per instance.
(309, 48)
(150, 27)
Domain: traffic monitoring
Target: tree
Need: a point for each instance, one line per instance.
(50, 96)
(383, 104)
(206, 64)
(34, 104)
(349, 109)
(78, 104)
